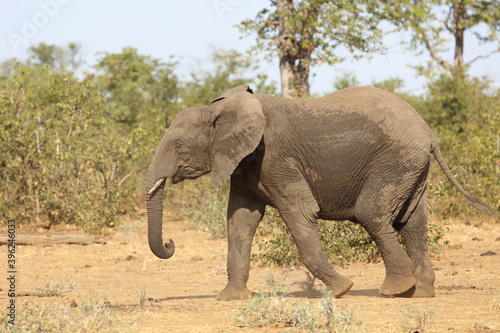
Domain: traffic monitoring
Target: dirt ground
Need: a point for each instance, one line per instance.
(147, 294)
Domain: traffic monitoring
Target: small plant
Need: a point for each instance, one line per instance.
(337, 321)
(266, 310)
(220, 270)
(435, 237)
(310, 280)
(143, 299)
(57, 289)
(495, 304)
(274, 309)
(88, 316)
(416, 320)
(308, 284)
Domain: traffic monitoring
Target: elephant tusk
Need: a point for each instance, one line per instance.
(158, 183)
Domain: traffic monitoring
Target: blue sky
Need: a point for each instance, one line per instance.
(190, 30)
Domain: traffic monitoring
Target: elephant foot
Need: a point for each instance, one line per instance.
(339, 286)
(419, 290)
(397, 286)
(423, 290)
(230, 293)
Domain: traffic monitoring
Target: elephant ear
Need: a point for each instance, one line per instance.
(239, 124)
(231, 92)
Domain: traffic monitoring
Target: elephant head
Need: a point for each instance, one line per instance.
(214, 138)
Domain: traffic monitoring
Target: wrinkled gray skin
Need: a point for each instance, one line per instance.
(359, 154)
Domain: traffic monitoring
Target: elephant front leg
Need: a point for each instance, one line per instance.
(243, 216)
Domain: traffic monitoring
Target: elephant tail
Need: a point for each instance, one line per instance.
(472, 200)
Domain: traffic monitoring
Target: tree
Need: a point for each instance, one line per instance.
(230, 69)
(139, 88)
(432, 21)
(60, 58)
(310, 32)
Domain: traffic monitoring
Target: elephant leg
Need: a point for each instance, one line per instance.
(243, 216)
(414, 234)
(399, 268)
(305, 234)
(400, 202)
(299, 213)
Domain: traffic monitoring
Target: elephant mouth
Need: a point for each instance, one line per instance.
(187, 172)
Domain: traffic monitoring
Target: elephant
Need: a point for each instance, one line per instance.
(360, 154)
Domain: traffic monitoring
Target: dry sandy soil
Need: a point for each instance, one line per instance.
(178, 295)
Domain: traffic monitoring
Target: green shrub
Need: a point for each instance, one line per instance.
(198, 203)
(341, 242)
(63, 160)
(464, 113)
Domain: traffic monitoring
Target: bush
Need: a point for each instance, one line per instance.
(342, 242)
(63, 160)
(198, 203)
(464, 113)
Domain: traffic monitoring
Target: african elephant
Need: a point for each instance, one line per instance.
(360, 154)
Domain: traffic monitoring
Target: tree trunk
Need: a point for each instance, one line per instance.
(295, 55)
(286, 62)
(458, 17)
(302, 81)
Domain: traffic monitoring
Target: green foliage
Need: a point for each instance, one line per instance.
(465, 116)
(276, 245)
(58, 162)
(140, 91)
(341, 242)
(230, 69)
(76, 150)
(394, 85)
(319, 26)
(210, 209)
(345, 80)
(431, 23)
(311, 32)
(59, 58)
(435, 237)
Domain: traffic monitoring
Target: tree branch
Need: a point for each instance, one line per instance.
(483, 56)
(123, 179)
(434, 55)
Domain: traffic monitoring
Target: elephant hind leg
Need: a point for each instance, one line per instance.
(305, 234)
(378, 223)
(399, 276)
(298, 208)
(414, 234)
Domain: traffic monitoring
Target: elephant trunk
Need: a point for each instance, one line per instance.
(154, 198)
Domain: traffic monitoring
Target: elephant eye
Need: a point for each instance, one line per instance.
(178, 144)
